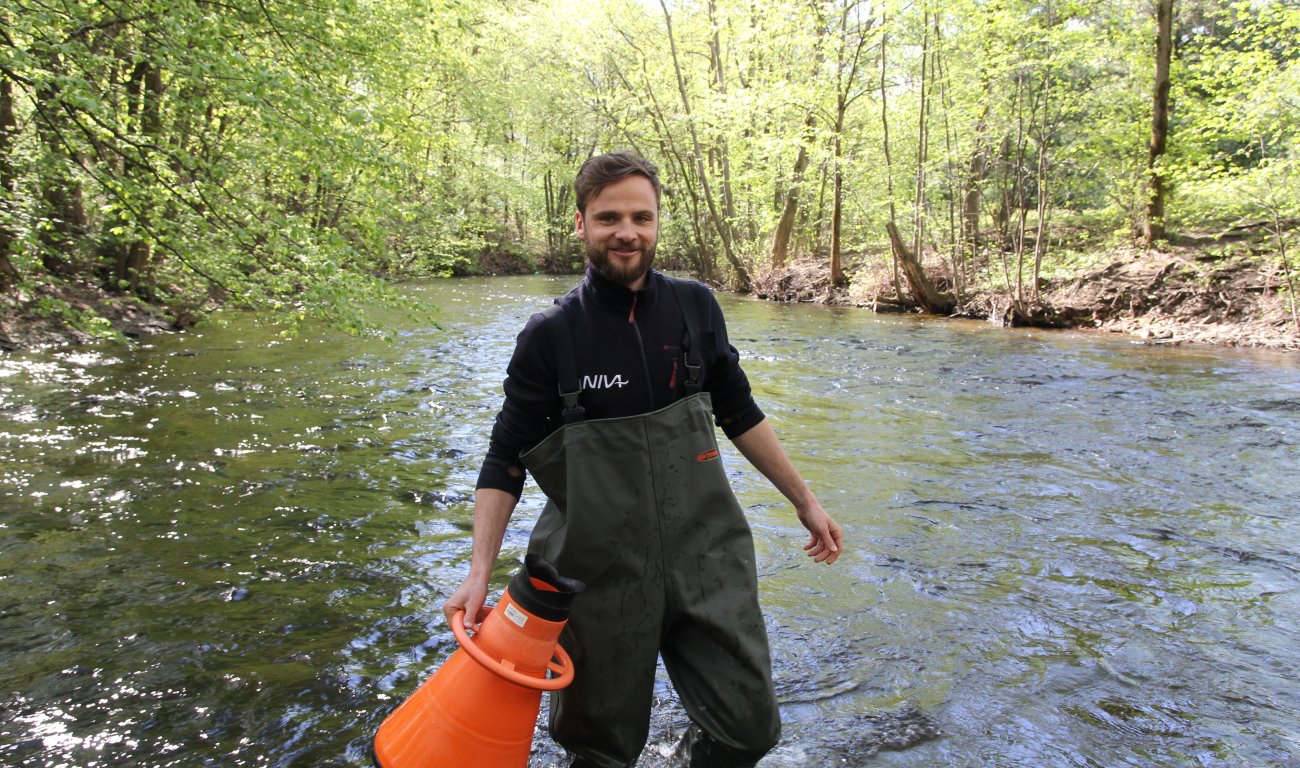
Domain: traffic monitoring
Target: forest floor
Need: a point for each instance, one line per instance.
(1224, 288)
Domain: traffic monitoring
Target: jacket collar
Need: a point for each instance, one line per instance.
(618, 297)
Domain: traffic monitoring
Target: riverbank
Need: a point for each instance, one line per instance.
(1202, 290)
(73, 313)
(1212, 289)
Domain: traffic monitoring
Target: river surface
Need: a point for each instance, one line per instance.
(225, 548)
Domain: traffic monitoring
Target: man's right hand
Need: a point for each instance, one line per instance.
(468, 597)
(492, 510)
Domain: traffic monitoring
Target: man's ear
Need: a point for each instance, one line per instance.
(578, 226)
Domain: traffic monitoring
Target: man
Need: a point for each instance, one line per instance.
(610, 402)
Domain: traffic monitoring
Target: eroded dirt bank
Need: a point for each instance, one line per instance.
(1177, 294)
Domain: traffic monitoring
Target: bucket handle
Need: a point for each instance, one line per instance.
(561, 665)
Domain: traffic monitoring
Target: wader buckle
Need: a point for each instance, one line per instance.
(573, 412)
(694, 375)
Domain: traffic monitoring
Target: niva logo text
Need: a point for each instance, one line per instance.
(604, 381)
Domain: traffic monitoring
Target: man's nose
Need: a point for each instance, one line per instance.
(625, 230)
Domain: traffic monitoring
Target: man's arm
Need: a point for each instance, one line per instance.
(762, 448)
(530, 396)
(492, 510)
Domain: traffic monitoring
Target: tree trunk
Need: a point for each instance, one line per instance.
(790, 210)
(720, 149)
(1041, 232)
(133, 262)
(847, 68)
(815, 231)
(1022, 202)
(922, 144)
(785, 226)
(981, 159)
(553, 226)
(60, 193)
(8, 181)
(956, 252)
(928, 298)
(837, 200)
(1155, 225)
(889, 165)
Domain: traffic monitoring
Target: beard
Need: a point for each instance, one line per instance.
(618, 272)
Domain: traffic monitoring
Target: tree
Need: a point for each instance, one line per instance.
(790, 205)
(720, 223)
(853, 33)
(296, 156)
(9, 275)
(1155, 221)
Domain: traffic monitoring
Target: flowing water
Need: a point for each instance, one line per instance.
(225, 548)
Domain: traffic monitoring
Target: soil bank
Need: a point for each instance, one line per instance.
(1176, 294)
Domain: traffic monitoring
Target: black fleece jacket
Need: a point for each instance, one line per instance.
(629, 347)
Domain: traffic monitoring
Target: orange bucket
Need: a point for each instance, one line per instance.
(480, 709)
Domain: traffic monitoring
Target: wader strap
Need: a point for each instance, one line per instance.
(566, 363)
(689, 305)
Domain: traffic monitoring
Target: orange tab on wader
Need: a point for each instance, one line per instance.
(707, 455)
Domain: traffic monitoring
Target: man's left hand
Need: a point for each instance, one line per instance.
(827, 540)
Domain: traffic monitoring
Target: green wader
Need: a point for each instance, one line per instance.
(640, 509)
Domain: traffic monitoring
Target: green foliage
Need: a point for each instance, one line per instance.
(292, 157)
(195, 157)
(1238, 91)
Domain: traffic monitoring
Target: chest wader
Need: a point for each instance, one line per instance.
(640, 509)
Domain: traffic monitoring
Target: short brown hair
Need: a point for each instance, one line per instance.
(602, 170)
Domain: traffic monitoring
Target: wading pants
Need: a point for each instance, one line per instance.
(640, 509)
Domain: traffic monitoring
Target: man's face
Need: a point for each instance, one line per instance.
(620, 229)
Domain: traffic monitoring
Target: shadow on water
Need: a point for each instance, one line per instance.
(228, 549)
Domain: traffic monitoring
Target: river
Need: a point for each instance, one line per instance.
(227, 548)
